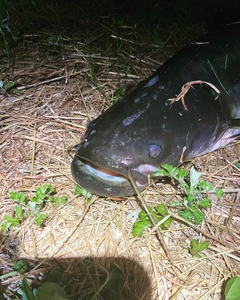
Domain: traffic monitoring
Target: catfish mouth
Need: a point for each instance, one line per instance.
(104, 182)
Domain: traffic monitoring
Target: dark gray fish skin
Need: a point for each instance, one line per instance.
(143, 130)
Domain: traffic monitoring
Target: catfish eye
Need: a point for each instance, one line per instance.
(154, 151)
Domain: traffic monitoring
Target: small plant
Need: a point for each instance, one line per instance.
(20, 267)
(232, 289)
(119, 92)
(197, 247)
(158, 214)
(46, 291)
(33, 206)
(54, 40)
(49, 290)
(195, 192)
(4, 87)
(80, 191)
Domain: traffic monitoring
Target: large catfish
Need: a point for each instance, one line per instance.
(188, 107)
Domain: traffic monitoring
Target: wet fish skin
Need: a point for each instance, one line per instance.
(143, 129)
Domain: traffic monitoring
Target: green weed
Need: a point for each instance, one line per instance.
(32, 207)
(81, 192)
(195, 192)
(197, 247)
(158, 214)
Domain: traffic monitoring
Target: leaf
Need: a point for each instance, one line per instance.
(18, 210)
(115, 276)
(189, 199)
(55, 275)
(42, 192)
(182, 173)
(162, 210)
(57, 201)
(205, 186)
(50, 291)
(219, 193)
(20, 266)
(40, 218)
(144, 222)
(27, 292)
(17, 196)
(166, 224)
(139, 227)
(8, 85)
(205, 203)
(232, 289)
(80, 191)
(194, 179)
(197, 247)
(9, 221)
(192, 215)
(198, 216)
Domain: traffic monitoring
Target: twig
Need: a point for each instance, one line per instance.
(50, 80)
(145, 207)
(185, 89)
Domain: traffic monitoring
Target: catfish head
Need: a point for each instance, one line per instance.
(120, 139)
(144, 129)
(138, 134)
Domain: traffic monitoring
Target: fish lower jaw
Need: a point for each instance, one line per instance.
(105, 182)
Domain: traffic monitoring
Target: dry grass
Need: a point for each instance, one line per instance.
(49, 116)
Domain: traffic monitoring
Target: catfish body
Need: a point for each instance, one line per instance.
(144, 129)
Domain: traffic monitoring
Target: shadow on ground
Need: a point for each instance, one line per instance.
(98, 278)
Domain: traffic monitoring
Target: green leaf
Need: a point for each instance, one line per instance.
(17, 196)
(115, 276)
(50, 291)
(139, 227)
(144, 222)
(219, 193)
(192, 215)
(20, 267)
(189, 199)
(55, 275)
(57, 201)
(40, 218)
(54, 40)
(42, 192)
(166, 224)
(8, 275)
(8, 85)
(80, 191)
(9, 221)
(232, 289)
(205, 186)
(27, 292)
(19, 212)
(205, 203)
(197, 247)
(162, 210)
(194, 178)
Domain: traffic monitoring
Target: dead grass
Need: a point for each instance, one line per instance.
(56, 101)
